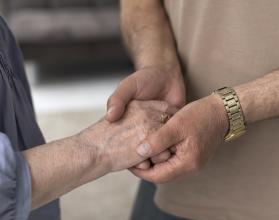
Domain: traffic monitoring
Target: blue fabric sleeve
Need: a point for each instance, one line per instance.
(15, 183)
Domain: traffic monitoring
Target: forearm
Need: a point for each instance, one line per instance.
(59, 167)
(260, 98)
(147, 33)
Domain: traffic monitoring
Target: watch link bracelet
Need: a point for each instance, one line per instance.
(234, 111)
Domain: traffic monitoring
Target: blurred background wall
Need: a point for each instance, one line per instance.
(74, 58)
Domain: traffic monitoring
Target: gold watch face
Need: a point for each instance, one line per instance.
(233, 136)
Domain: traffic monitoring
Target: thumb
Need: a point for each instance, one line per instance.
(120, 98)
(159, 141)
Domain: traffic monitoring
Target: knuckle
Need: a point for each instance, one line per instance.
(164, 156)
(179, 100)
(156, 144)
(154, 159)
(154, 149)
(161, 157)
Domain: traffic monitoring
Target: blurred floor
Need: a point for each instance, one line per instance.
(64, 108)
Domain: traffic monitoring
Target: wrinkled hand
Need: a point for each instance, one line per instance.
(151, 83)
(195, 131)
(116, 143)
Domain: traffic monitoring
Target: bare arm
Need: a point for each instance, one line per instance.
(260, 98)
(147, 33)
(58, 167)
(149, 38)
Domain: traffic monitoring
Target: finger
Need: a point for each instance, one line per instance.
(171, 110)
(177, 97)
(173, 149)
(162, 157)
(120, 98)
(144, 165)
(162, 172)
(158, 141)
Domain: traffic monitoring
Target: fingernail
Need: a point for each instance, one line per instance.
(143, 149)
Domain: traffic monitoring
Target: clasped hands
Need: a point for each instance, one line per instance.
(136, 138)
(182, 145)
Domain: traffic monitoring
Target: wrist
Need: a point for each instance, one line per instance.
(234, 112)
(247, 100)
(169, 71)
(220, 114)
(95, 162)
(172, 68)
(87, 153)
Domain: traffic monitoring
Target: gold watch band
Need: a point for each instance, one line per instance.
(235, 114)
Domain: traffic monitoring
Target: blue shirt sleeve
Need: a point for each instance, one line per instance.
(15, 183)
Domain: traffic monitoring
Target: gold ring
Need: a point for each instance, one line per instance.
(164, 118)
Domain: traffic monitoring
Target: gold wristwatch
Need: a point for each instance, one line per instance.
(235, 114)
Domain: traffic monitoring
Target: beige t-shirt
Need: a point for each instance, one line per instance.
(226, 43)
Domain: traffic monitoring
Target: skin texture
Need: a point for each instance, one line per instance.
(158, 75)
(198, 128)
(260, 98)
(194, 133)
(60, 166)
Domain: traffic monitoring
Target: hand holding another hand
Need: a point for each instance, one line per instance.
(102, 148)
(164, 83)
(115, 144)
(195, 131)
(150, 83)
